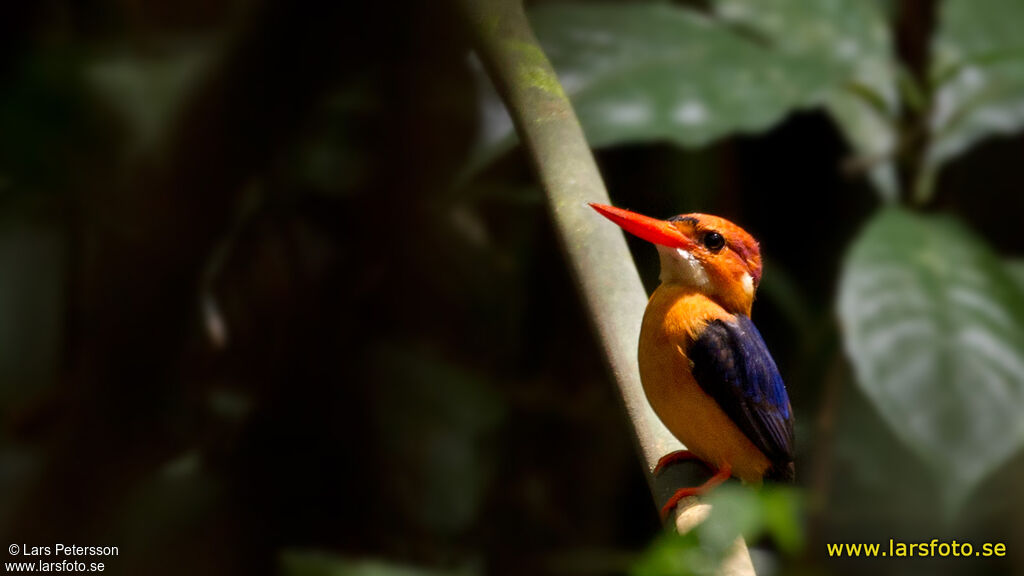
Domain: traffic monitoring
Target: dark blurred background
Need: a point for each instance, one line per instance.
(256, 318)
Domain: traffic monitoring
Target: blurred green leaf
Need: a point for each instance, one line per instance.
(735, 510)
(849, 35)
(311, 563)
(773, 511)
(979, 67)
(651, 71)
(182, 504)
(1016, 270)
(672, 554)
(655, 72)
(934, 327)
(147, 91)
(782, 513)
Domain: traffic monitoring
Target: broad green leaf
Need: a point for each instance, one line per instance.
(934, 327)
(1016, 270)
(655, 72)
(972, 30)
(774, 511)
(652, 71)
(979, 66)
(849, 35)
(673, 554)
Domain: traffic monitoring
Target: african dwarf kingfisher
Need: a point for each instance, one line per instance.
(705, 368)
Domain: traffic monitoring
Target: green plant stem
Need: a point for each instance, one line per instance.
(596, 251)
(915, 24)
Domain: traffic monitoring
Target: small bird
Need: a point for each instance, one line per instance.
(704, 366)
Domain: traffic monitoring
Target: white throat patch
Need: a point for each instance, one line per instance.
(748, 284)
(678, 265)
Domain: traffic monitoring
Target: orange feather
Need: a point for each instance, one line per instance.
(675, 317)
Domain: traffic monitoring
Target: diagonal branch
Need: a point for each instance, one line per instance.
(597, 253)
(601, 263)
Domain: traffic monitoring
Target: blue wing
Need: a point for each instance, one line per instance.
(732, 364)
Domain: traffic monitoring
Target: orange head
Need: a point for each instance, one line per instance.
(707, 253)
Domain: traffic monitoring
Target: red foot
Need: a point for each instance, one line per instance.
(720, 476)
(677, 456)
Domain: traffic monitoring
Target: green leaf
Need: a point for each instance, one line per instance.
(735, 510)
(654, 72)
(1015, 268)
(850, 35)
(979, 68)
(146, 92)
(774, 511)
(972, 30)
(651, 71)
(934, 327)
(672, 554)
(782, 511)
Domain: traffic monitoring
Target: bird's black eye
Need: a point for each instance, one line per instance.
(713, 241)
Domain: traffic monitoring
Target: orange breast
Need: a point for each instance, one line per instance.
(674, 318)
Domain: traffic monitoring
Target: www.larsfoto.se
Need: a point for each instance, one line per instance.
(47, 566)
(932, 549)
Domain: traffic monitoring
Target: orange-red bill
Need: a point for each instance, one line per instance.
(653, 230)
